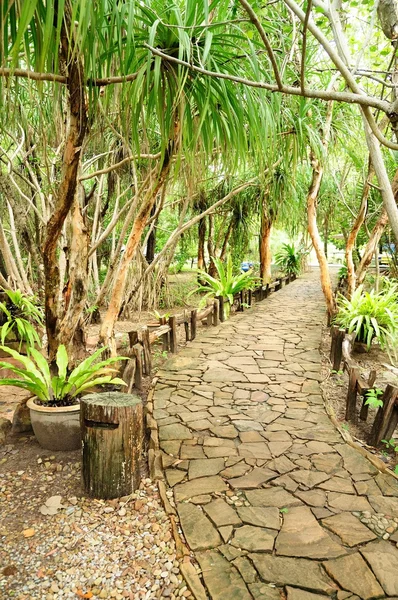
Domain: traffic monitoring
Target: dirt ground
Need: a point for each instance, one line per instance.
(335, 386)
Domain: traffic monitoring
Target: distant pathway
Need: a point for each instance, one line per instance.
(271, 501)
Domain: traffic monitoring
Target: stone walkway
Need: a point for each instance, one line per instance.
(271, 501)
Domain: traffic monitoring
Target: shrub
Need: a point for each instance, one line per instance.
(22, 316)
(290, 259)
(371, 315)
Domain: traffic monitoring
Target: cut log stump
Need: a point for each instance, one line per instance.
(112, 437)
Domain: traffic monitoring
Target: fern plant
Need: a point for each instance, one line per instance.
(371, 315)
(22, 317)
(63, 388)
(290, 259)
(227, 284)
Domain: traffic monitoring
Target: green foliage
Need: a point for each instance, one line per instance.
(371, 315)
(373, 398)
(390, 444)
(62, 388)
(227, 283)
(22, 315)
(290, 259)
(343, 272)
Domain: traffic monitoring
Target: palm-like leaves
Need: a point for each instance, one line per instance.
(290, 259)
(22, 316)
(227, 284)
(36, 376)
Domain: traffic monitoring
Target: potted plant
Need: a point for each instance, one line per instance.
(371, 315)
(19, 318)
(54, 406)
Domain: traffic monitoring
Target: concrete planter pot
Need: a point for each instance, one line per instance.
(56, 427)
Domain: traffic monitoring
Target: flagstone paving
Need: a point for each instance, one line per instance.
(270, 499)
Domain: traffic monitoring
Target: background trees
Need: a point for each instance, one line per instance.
(136, 136)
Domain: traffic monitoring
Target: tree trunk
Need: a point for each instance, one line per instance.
(151, 243)
(119, 285)
(210, 247)
(371, 246)
(77, 123)
(351, 275)
(228, 234)
(201, 244)
(267, 216)
(312, 198)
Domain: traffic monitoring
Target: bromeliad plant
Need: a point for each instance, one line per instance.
(22, 317)
(227, 284)
(371, 315)
(64, 388)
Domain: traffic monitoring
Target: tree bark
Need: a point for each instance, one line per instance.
(312, 198)
(201, 244)
(77, 124)
(228, 234)
(210, 247)
(151, 243)
(267, 217)
(351, 275)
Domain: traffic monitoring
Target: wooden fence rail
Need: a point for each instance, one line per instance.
(386, 419)
(141, 339)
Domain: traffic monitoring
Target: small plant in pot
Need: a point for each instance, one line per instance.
(55, 407)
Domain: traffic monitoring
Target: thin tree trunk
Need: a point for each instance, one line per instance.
(210, 247)
(312, 198)
(351, 275)
(116, 300)
(265, 242)
(228, 234)
(77, 123)
(201, 244)
(371, 246)
(8, 259)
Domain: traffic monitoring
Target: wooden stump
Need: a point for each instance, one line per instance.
(112, 438)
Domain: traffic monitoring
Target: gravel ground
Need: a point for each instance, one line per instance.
(55, 543)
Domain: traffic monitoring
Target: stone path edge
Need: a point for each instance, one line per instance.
(156, 473)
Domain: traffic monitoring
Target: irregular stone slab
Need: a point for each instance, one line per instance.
(220, 451)
(387, 484)
(174, 476)
(348, 502)
(349, 529)
(352, 573)
(307, 574)
(282, 464)
(243, 425)
(226, 376)
(188, 452)
(225, 431)
(220, 576)
(261, 517)
(262, 591)
(338, 484)
(320, 434)
(297, 594)
(302, 536)
(383, 560)
(236, 470)
(176, 431)
(197, 487)
(246, 569)
(199, 532)
(253, 539)
(255, 450)
(320, 448)
(286, 482)
(205, 467)
(253, 479)
(309, 478)
(353, 461)
(278, 448)
(192, 578)
(222, 513)
(276, 496)
(386, 505)
(316, 498)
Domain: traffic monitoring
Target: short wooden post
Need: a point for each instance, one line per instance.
(186, 325)
(241, 301)
(266, 291)
(138, 353)
(216, 312)
(222, 312)
(112, 438)
(209, 318)
(333, 331)
(173, 334)
(386, 418)
(165, 336)
(278, 285)
(146, 344)
(250, 297)
(351, 406)
(338, 349)
(194, 314)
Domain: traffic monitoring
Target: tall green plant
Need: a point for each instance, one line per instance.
(63, 388)
(227, 284)
(290, 259)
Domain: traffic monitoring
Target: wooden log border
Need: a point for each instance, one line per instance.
(386, 419)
